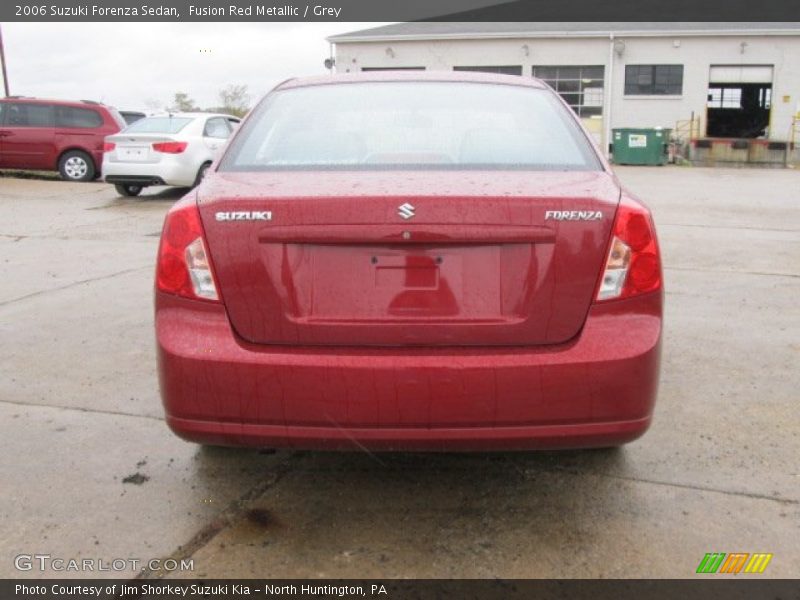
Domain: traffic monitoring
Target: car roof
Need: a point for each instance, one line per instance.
(75, 103)
(414, 76)
(190, 115)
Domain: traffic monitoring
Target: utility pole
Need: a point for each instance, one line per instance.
(3, 63)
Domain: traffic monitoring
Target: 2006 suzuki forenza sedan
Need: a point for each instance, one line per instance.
(406, 261)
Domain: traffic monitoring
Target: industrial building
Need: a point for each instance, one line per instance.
(729, 92)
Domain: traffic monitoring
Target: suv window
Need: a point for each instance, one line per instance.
(71, 116)
(20, 114)
(217, 127)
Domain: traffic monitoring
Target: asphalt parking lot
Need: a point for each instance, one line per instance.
(80, 414)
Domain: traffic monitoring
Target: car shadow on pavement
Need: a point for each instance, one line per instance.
(370, 510)
(155, 195)
(159, 193)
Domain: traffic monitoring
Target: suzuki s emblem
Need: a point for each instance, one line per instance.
(406, 210)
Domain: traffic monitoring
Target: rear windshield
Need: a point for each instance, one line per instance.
(434, 125)
(158, 125)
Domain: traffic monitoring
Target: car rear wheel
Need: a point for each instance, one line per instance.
(201, 173)
(76, 165)
(128, 189)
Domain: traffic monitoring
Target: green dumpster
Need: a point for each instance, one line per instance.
(640, 146)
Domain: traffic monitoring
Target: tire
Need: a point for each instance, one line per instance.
(128, 189)
(201, 173)
(76, 165)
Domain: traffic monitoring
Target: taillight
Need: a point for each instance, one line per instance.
(633, 265)
(170, 147)
(184, 266)
(108, 146)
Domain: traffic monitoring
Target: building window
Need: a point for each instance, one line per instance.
(653, 80)
(501, 69)
(580, 86)
(724, 98)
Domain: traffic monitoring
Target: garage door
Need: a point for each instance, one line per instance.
(740, 74)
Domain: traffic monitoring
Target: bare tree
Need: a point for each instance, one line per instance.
(183, 103)
(153, 104)
(234, 100)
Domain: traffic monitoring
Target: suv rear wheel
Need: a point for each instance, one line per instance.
(76, 165)
(127, 189)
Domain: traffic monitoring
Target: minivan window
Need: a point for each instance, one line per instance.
(159, 125)
(411, 125)
(71, 116)
(20, 114)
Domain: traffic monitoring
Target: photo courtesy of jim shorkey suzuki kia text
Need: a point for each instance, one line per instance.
(199, 590)
(100, 11)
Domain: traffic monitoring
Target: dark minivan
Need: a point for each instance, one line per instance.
(50, 135)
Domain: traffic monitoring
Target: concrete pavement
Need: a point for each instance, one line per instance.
(80, 413)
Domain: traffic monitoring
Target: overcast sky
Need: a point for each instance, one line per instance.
(128, 64)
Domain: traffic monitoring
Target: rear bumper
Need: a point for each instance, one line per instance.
(532, 437)
(597, 390)
(143, 180)
(168, 171)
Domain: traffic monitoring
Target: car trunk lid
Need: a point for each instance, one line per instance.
(408, 258)
(136, 147)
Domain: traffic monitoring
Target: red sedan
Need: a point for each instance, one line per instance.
(400, 261)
